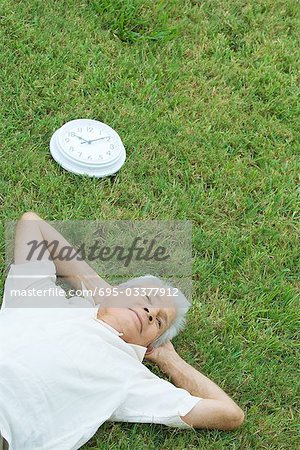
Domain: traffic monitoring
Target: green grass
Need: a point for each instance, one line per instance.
(205, 97)
(132, 21)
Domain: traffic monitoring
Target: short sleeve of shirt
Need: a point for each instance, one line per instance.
(31, 273)
(33, 285)
(151, 399)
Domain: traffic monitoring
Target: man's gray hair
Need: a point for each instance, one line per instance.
(181, 305)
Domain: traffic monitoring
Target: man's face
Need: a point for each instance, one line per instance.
(142, 319)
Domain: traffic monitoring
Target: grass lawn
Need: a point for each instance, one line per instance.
(205, 95)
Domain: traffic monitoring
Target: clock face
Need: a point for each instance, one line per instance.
(89, 141)
(86, 146)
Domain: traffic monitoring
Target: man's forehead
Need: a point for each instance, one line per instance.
(156, 299)
(152, 293)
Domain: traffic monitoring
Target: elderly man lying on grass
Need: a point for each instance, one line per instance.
(66, 369)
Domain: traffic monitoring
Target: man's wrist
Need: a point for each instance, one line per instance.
(169, 361)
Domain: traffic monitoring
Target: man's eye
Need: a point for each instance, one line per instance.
(148, 298)
(159, 322)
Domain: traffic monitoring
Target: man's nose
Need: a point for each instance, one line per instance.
(151, 313)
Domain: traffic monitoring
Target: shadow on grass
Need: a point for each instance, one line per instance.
(135, 20)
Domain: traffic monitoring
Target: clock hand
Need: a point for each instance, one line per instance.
(79, 137)
(105, 137)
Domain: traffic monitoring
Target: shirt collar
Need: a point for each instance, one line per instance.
(139, 350)
(113, 330)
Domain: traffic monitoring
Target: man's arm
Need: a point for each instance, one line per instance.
(32, 227)
(216, 410)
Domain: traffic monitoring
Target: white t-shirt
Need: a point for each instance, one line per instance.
(63, 372)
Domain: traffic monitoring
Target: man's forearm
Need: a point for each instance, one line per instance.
(73, 270)
(216, 410)
(185, 376)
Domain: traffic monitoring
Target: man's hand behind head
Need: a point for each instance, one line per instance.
(160, 354)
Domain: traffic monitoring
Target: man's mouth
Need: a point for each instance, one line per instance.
(140, 320)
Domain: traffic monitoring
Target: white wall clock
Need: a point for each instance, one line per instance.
(88, 147)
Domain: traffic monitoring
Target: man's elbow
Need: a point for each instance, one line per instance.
(29, 215)
(235, 419)
(215, 415)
